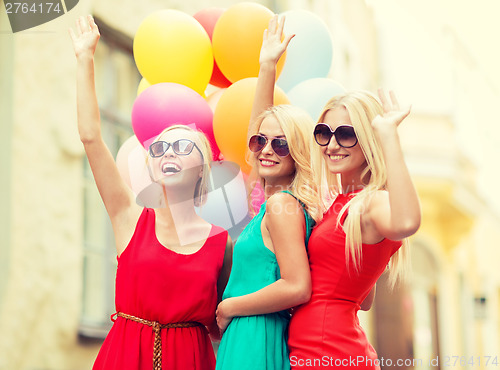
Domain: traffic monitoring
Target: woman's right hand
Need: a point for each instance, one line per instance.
(86, 37)
(272, 46)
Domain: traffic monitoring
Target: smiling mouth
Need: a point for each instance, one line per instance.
(267, 163)
(337, 157)
(169, 168)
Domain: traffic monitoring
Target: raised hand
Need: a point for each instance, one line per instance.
(393, 115)
(86, 37)
(395, 214)
(272, 45)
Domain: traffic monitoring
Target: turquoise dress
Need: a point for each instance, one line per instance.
(255, 342)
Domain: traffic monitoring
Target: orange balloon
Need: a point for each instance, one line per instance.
(237, 39)
(232, 116)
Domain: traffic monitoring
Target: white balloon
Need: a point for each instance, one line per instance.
(312, 95)
(227, 204)
(310, 53)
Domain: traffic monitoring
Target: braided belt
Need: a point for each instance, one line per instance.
(157, 330)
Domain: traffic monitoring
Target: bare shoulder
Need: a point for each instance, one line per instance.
(378, 199)
(281, 202)
(376, 208)
(282, 210)
(129, 216)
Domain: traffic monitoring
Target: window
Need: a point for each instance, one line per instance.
(117, 79)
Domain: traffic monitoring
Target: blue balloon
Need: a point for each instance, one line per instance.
(310, 52)
(313, 94)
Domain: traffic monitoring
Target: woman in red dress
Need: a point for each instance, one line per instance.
(172, 265)
(376, 207)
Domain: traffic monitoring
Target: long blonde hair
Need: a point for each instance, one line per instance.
(202, 186)
(362, 108)
(297, 126)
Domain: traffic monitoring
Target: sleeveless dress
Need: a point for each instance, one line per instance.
(255, 342)
(157, 284)
(325, 332)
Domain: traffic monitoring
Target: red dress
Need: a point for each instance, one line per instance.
(158, 284)
(325, 332)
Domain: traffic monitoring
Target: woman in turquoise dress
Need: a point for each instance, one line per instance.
(270, 272)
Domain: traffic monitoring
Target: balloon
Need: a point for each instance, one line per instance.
(131, 163)
(143, 84)
(226, 204)
(171, 46)
(232, 116)
(312, 95)
(258, 197)
(310, 53)
(237, 39)
(214, 98)
(208, 18)
(164, 104)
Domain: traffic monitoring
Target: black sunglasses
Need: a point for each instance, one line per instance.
(344, 135)
(279, 145)
(180, 147)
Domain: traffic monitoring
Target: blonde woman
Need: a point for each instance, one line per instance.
(270, 271)
(172, 265)
(375, 209)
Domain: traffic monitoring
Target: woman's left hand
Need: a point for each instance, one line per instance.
(222, 317)
(272, 46)
(393, 115)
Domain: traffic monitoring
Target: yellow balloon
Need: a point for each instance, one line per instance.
(232, 116)
(237, 39)
(143, 85)
(172, 46)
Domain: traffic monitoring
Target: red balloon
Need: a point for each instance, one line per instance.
(208, 18)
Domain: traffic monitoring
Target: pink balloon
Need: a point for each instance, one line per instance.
(257, 195)
(165, 104)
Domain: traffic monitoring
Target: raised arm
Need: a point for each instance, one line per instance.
(395, 213)
(286, 224)
(271, 51)
(117, 197)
